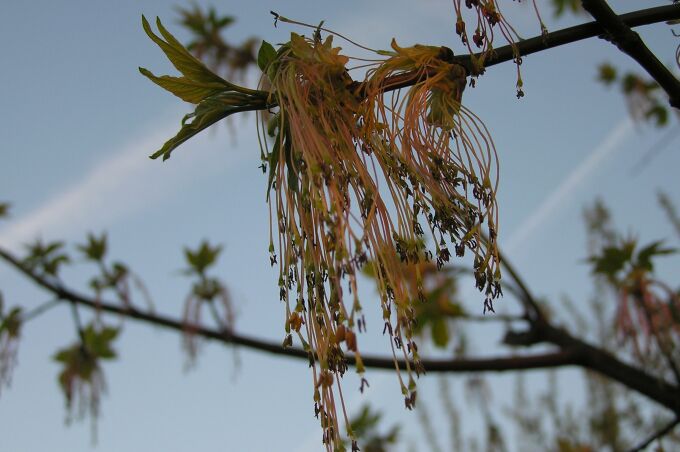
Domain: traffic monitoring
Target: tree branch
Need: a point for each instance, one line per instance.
(603, 362)
(545, 42)
(657, 435)
(523, 48)
(572, 351)
(630, 43)
(564, 357)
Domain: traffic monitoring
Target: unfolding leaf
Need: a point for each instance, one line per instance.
(204, 256)
(265, 55)
(181, 58)
(207, 113)
(95, 248)
(185, 88)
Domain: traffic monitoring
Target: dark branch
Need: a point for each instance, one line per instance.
(657, 435)
(564, 357)
(605, 363)
(549, 41)
(631, 44)
(572, 351)
(523, 48)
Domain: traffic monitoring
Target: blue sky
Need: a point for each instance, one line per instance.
(78, 122)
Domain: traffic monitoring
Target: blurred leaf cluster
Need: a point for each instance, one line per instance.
(366, 428)
(206, 291)
(645, 99)
(46, 258)
(208, 44)
(10, 328)
(81, 378)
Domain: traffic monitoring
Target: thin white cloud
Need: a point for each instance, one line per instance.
(118, 186)
(561, 194)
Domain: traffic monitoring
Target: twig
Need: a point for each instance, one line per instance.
(657, 435)
(35, 312)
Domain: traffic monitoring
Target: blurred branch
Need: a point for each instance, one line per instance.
(657, 435)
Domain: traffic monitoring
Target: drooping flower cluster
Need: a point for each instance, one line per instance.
(488, 23)
(392, 173)
(335, 144)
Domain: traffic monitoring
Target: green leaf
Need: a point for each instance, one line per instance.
(186, 89)
(207, 113)
(645, 255)
(181, 58)
(11, 323)
(95, 248)
(613, 259)
(204, 256)
(607, 74)
(440, 332)
(265, 56)
(659, 113)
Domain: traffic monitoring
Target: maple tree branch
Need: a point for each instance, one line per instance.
(572, 351)
(657, 435)
(630, 43)
(558, 358)
(603, 362)
(544, 42)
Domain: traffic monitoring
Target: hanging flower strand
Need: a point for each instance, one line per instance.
(369, 176)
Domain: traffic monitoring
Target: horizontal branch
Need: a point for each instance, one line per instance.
(544, 42)
(498, 364)
(631, 44)
(603, 362)
(572, 351)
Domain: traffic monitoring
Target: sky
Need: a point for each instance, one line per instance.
(78, 121)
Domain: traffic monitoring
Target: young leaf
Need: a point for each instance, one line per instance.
(265, 56)
(207, 113)
(181, 58)
(185, 88)
(95, 248)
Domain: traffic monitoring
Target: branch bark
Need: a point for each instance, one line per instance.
(572, 351)
(631, 44)
(564, 357)
(549, 41)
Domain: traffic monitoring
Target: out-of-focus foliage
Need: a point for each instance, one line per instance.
(10, 328)
(4, 209)
(46, 258)
(366, 428)
(207, 292)
(645, 99)
(209, 45)
(81, 378)
(563, 6)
